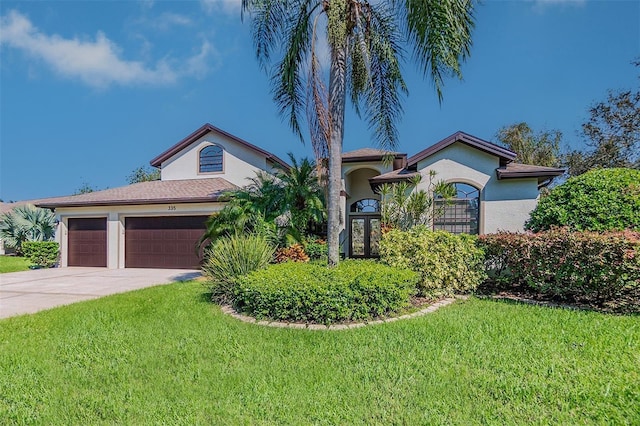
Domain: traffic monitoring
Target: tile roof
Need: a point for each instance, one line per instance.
(466, 139)
(517, 170)
(206, 128)
(369, 154)
(394, 176)
(154, 192)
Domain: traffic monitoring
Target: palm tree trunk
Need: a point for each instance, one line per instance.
(337, 94)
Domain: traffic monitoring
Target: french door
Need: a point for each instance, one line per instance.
(364, 236)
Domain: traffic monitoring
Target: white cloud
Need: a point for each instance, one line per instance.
(231, 7)
(544, 4)
(98, 62)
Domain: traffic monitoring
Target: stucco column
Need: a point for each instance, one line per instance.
(113, 241)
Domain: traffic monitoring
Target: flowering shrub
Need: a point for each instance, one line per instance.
(600, 269)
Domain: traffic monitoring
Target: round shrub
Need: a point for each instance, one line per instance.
(231, 257)
(307, 292)
(447, 263)
(599, 200)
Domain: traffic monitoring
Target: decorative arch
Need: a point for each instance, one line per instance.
(211, 159)
(460, 214)
(366, 205)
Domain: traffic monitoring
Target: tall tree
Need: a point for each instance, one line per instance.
(365, 45)
(540, 149)
(611, 134)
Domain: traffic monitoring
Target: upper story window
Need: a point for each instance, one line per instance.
(460, 214)
(366, 205)
(211, 159)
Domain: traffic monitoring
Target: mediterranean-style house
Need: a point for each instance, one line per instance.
(156, 224)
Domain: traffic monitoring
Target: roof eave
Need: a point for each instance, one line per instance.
(214, 199)
(466, 139)
(206, 128)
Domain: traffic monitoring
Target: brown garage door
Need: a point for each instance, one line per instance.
(87, 242)
(163, 242)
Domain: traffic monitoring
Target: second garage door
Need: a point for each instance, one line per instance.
(163, 242)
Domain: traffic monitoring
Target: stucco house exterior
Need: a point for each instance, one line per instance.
(156, 224)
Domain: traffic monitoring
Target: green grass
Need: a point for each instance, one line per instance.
(165, 355)
(13, 264)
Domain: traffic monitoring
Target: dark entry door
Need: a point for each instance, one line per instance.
(87, 238)
(163, 242)
(364, 236)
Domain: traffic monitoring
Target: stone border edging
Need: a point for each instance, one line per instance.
(227, 309)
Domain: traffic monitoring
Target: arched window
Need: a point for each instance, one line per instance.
(211, 159)
(366, 205)
(460, 214)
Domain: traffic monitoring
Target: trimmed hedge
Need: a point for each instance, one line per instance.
(447, 263)
(599, 200)
(307, 292)
(598, 269)
(41, 253)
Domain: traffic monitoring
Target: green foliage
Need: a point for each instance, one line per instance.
(164, 355)
(143, 174)
(540, 149)
(447, 263)
(307, 292)
(26, 223)
(402, 207)
(599, 200)
(231, 257)
(600, 269)
(85, 188)
(41, 253)
(612, 134)
(366, 49)
(282, 207)
(316, 249)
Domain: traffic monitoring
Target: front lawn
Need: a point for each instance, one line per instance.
(13, 264)
(166, 355)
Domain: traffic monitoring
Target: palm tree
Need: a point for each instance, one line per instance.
(303, 196)
(364, 39)
(283, 206)
(26, 223)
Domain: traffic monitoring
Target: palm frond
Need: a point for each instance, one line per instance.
(440, 32)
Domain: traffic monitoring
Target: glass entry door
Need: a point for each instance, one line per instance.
(364, 236)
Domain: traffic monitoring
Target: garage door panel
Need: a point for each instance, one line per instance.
(163, 242)
(87, 242)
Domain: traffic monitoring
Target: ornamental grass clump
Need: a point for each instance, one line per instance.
(231, 257)
(312, 293)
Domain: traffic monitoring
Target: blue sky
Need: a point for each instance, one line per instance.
(90, 90)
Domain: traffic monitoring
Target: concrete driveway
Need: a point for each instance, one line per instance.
(32, 291)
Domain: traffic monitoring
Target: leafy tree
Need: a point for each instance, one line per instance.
(598, 200)
(143, 174)
(26, 223)
(540, 149)
(85, 188)
(612, 134)
(365, 45)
